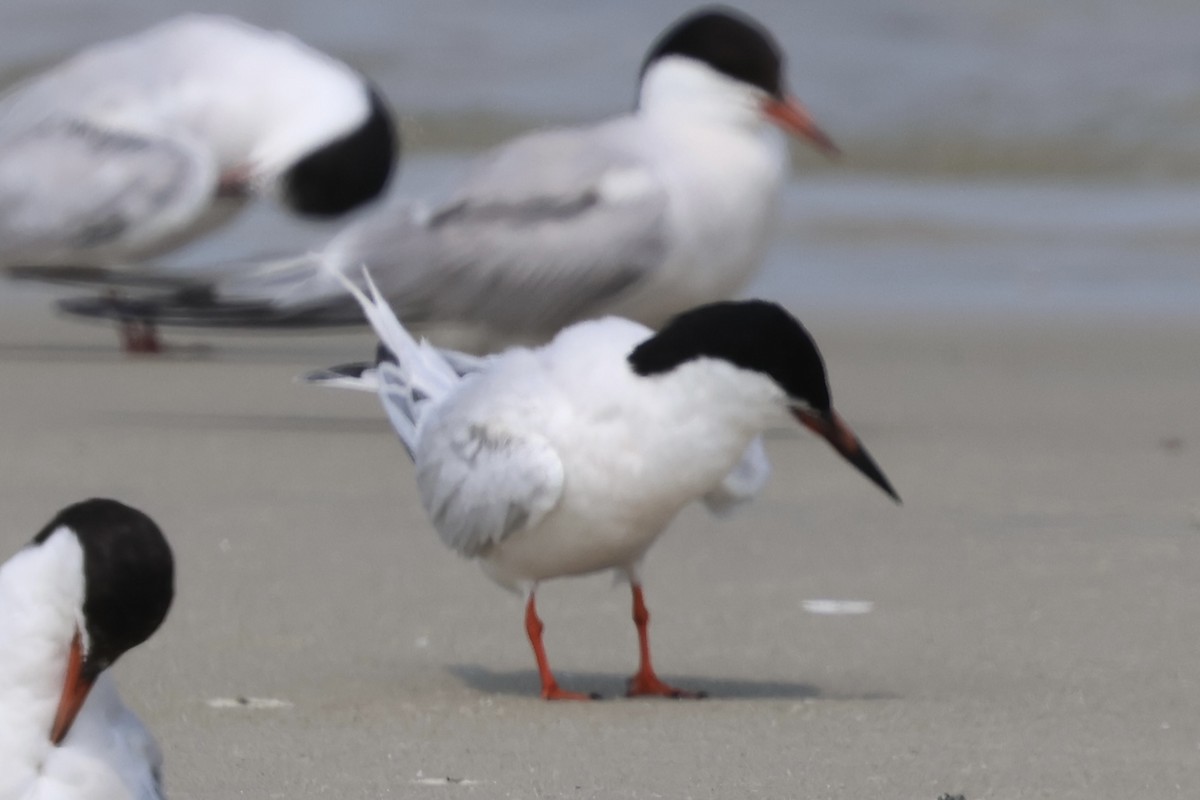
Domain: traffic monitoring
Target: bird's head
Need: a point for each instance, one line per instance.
(128, 584)
(766, 343)
(347, 172)
(722, 61)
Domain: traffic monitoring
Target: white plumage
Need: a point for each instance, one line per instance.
(136, 146)
(105, 752)
(574, 457)
(642, 215)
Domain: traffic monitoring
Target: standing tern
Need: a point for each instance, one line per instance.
(95, 582)
(135, 146)
(642, 215)
(574, 457)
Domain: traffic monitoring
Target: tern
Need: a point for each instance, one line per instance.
(642, 215)
(136, 146)
(95, 582)
(574, 457)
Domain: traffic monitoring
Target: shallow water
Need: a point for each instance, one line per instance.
(1004, 155)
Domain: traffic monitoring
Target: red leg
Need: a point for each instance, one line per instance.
(534, 627)
(645, 682)
(139, 336)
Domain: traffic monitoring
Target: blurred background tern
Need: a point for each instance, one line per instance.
(641, 215)
(575, 457)
(135, 146)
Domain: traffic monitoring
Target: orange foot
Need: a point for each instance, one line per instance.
(139, 337)
(643, 685)
(555, 693)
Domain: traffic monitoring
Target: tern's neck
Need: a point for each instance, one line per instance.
(41, 592)
(695, 423)
(687, 93)
(731, 401)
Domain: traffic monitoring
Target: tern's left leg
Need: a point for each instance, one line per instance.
(534, 627)
(645, 682)
(139, 336)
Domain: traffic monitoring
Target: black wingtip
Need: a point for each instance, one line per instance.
(107, 307)
(198, 308)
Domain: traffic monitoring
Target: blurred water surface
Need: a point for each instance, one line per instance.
(1010, 155)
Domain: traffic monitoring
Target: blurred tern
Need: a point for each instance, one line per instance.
(135, 146)
(574, 457)
(642, 215)
(97, 581)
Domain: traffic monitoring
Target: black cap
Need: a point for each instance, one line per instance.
(349, 171)
(751, 334)
(129, 576)
(728, 41)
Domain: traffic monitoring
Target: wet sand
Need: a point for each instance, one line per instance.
(1033, 632)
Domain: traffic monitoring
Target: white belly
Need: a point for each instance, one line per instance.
(614, 508)
(569, 544)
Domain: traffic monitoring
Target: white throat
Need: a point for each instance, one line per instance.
(691, 92)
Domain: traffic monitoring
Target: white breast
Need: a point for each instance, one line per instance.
(723, 168)
(634, 450)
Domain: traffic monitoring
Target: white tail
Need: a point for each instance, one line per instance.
(420, 374)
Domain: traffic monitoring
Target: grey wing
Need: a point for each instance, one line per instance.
(546, 231)
(480, 482)
(70, 188)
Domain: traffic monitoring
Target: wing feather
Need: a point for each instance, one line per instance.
(70, 188)
(744, 481)
(482, 481)
(547, 231)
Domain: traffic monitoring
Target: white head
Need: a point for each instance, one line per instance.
(720, 65)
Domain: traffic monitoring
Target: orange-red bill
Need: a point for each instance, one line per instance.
(794, 118)
(75, 692)
(832, 429)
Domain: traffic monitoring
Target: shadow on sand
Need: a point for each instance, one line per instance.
(283, 423)
(525, 682)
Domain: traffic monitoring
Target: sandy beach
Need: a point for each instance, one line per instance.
(1031, 629)
(1027, 625)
